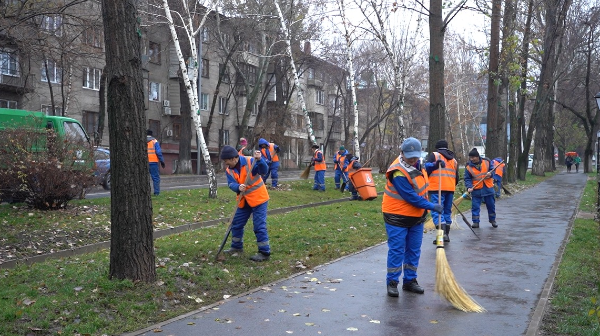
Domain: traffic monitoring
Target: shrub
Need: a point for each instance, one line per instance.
(41, 169)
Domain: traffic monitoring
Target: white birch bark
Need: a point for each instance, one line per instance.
(299, 90)
(351, 71)
(191, 82)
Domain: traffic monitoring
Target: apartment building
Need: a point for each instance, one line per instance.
(53, 63)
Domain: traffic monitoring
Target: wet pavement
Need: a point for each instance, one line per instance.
(509, 272)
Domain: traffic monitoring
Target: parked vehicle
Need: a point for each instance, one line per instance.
(102, 167)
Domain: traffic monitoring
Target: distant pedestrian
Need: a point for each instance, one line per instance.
(442, 170)
(498, 174)
(404, 210)
(569, 163)
(352, 165)
(340, 164)
(576, 162)
(479, 182)
(270, 154)
(154, 158)
(242, 148)
(318, 161)
(254, 202)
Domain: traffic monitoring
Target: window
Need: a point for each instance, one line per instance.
(90, 122)
(249, 72)
(311, 73)
(204, 101)
(224, 135)
(223, 106)
(300, 121)
(154, 52)
(204, 34)
(226, 40)
(177, 129)
(11, 104)
(91, 78)
(255, 108)
(224, 73)
(320, 97)
(9, 63)
(52, 24)
(205, 68)
(154, 91)
(317, 120)
(51, 72)
(47, 109)
(92, 36)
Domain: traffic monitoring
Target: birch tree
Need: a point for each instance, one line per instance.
(191, 80)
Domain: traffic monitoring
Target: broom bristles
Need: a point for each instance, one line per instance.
(429, 225)
(447, 287)
(305, 173)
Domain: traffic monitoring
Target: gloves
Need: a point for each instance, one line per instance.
(438, 208)
(162, 164)
(440, 163)
(336, 161)
(312, 162)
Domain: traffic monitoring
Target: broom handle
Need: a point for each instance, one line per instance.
(439, 196)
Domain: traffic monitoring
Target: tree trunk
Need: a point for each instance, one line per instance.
(132, 245)
(493, 121)
(437, 105)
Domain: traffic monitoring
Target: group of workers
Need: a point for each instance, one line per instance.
(412, 188)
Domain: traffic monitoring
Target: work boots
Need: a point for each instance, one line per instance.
(232, 251)
(259, 257)
(413, 286)
(447, 233)
(475, 225)
(494, 224)
(392, 289)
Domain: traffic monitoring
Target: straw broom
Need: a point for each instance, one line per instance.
(305, 173)
(445, 283)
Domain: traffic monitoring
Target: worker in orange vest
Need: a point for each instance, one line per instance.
(498, 173)
(253, 202)
(480, 184)
(442, 170)
(154, 157)
(269, 153)
(352, 165)
(318, 161)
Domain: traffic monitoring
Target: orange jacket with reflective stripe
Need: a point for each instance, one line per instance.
(152, 157)
(448, 178)
(340, 158)
(241, 151)
(500, 170)
(274, 156)
(319, 165)
(479, 175)
(393, 203)
(256, 193)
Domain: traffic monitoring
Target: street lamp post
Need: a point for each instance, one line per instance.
(597, 97)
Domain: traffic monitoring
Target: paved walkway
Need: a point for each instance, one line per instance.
(509, 272)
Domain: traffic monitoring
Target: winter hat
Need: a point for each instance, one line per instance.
(243, 141)
(315, 146)
(474, 152)
(228, 152)
(441, 144)
(149, 132)
(342, 148)
(411, 148)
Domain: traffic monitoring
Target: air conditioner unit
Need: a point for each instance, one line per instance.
(169, 133)
(167, 111)
(166, 103)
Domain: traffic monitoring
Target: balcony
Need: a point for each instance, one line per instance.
(17, 84)
(314, 82)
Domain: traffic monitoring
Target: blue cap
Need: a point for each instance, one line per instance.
(411, 148)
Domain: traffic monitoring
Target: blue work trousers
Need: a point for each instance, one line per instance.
(273, 171)
(259, 218)
(404, 251)
(339, 177)
(497, 186)
(490, 204)
(447, 198)
(155, 177)
(319, 180)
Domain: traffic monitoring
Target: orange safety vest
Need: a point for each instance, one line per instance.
(340, 158)
(240, 152)
(319, 165)
(349, 167)
(274, 156)
(256, 192)
(152, 157)
(479, 175)
(448, 178)
(500, 170)
(393, 203)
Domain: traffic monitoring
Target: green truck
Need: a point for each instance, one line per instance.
(44, 160)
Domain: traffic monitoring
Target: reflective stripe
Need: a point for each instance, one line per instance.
(394, 270)
(410, 267)
(236, 239)
(265, 243)
(249, 190)
(393, 195)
